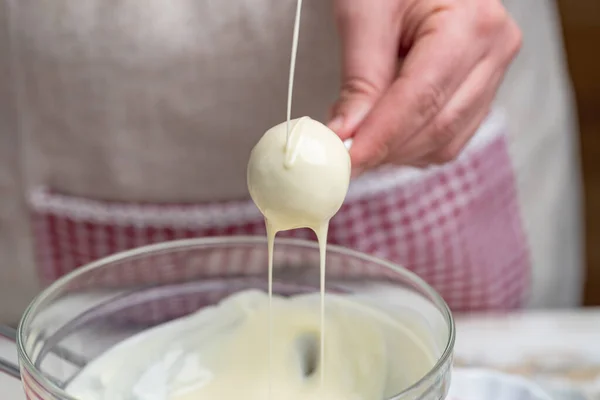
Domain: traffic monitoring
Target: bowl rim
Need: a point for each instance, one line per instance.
(39, 300)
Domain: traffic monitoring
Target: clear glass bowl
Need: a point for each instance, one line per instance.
(90, 310)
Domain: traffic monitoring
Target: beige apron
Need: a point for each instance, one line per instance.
(148, 102)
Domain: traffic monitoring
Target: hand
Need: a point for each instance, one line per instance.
(419, 76)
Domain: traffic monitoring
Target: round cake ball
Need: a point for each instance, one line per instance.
(301, 183)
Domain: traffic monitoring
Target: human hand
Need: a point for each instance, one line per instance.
(419, 76)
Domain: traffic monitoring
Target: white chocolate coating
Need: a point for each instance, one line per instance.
(304, 183)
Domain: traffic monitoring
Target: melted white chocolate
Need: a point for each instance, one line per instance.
(221, 353)
(299, 180)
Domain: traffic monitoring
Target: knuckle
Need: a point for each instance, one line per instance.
(430, 101)
(515, 41)
(379, 155)
(356, 85)
(510, 41)
(491, 19)
(445, 129)
(445, 155)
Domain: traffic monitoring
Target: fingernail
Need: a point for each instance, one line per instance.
(357, 116)
(347, 122)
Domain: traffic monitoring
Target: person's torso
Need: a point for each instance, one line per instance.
(158, 101)
(127, 103)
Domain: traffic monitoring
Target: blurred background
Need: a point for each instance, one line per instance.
(581, 27)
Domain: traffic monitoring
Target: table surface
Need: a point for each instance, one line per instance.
(558, 349)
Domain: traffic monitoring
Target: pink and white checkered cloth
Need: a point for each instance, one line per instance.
(456, 226)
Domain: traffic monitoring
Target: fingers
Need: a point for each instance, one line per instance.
(447, 134)
(470, 102)
(421, 91)
(453, 149)
(458, 52)
(369, 42)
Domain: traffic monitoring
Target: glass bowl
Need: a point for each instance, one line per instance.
(87, 312)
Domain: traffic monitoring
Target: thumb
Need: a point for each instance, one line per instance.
(369, 42)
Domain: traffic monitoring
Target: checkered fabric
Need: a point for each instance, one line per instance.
(457, 226)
